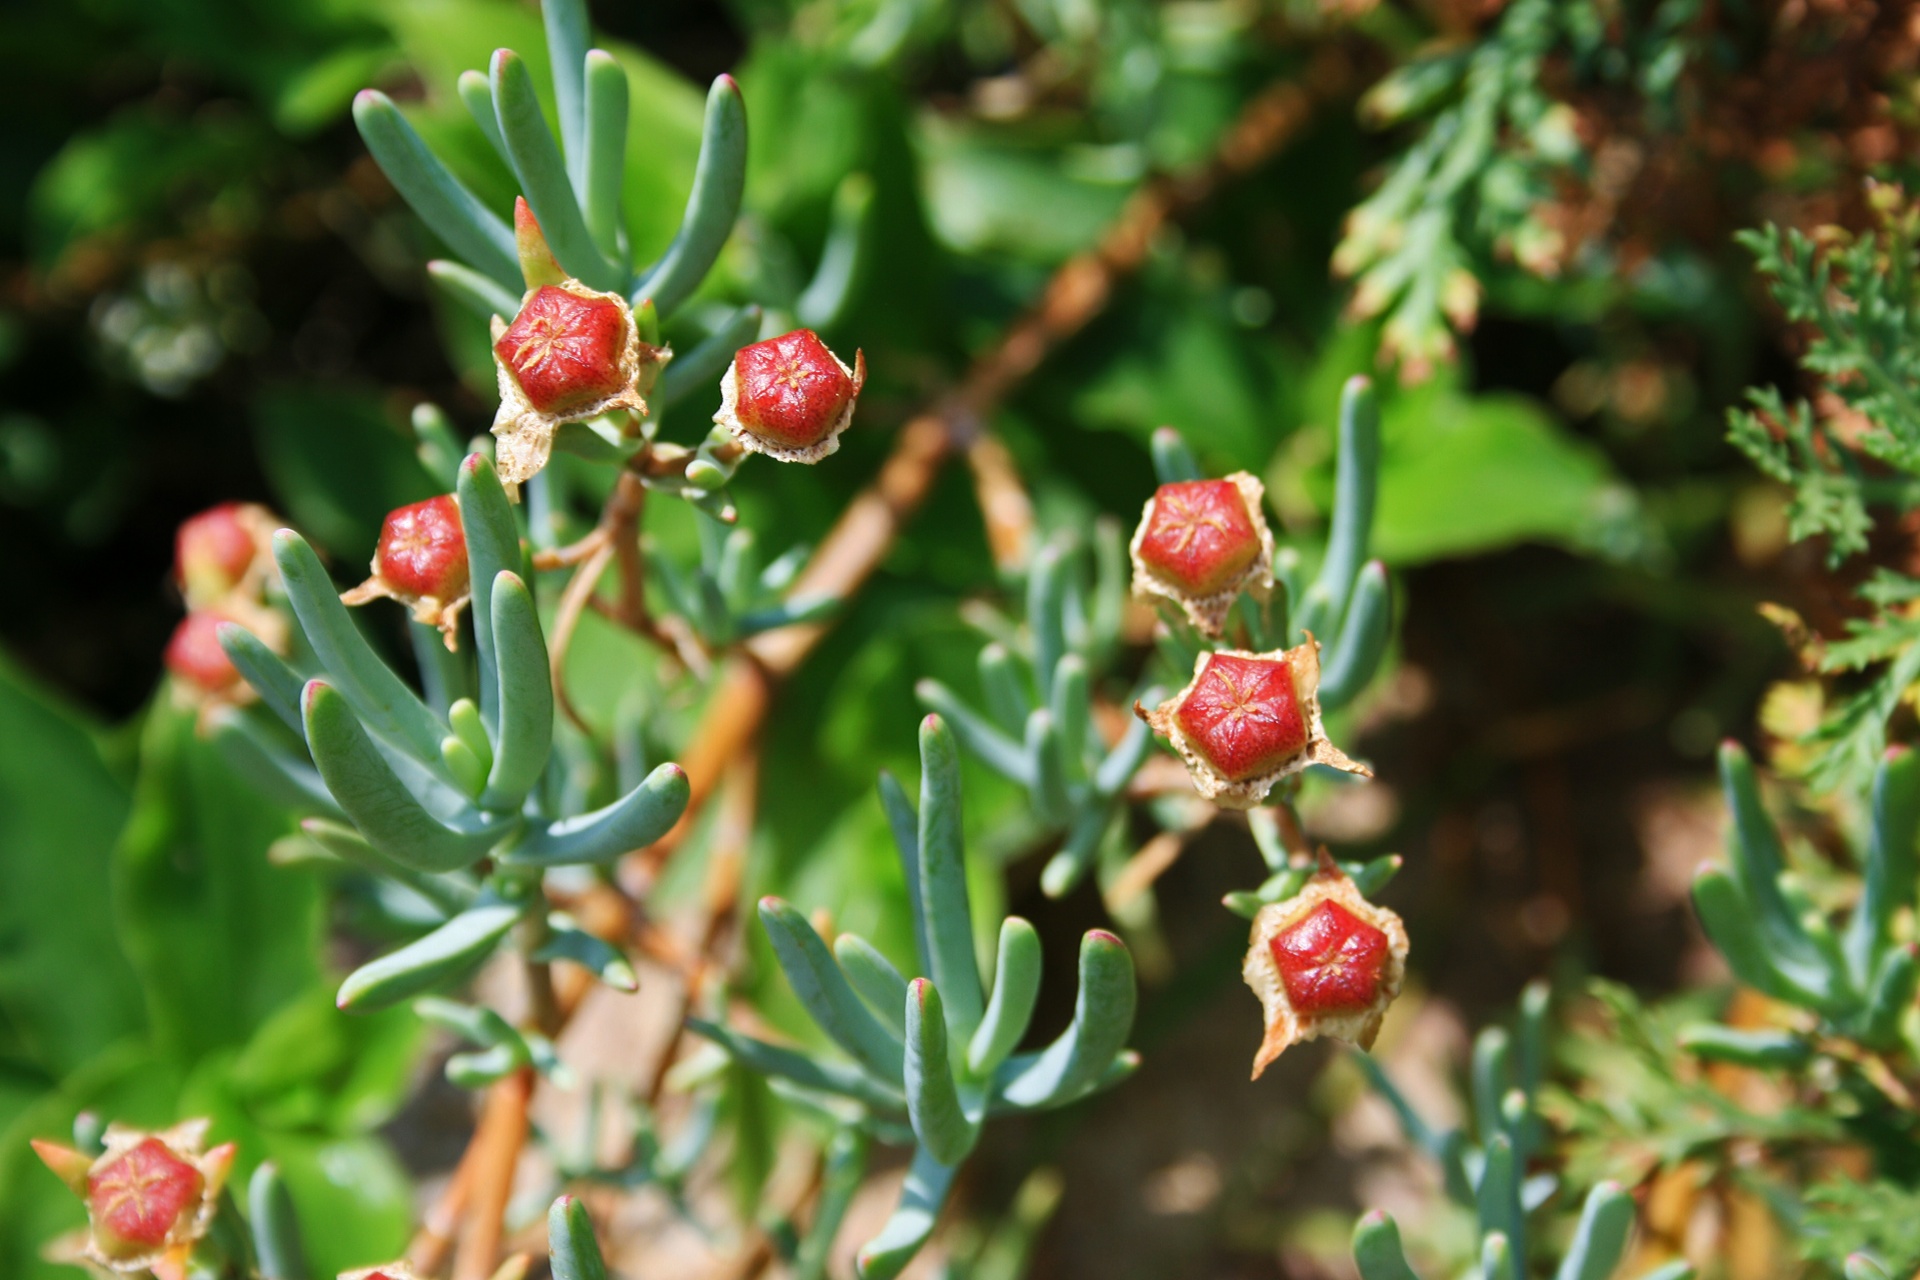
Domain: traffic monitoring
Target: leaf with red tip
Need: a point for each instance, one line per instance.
(1102, 1019)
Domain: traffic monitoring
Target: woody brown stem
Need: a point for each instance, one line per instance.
(496, 1152)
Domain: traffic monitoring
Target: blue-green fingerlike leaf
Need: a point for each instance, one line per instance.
(702, 366)
(1356, 483)
(605, 153)
(370, 793)
(843, 260)
(476, 94)
(380, 699)
(1858, 1266)
(493, 547)
(571, 1247)
(1491, 1074)
(904, 823)
(1047, 764)
(943, 881)
(933, 1101)
(825, 992)
(846, 1167)
(1729, 921)
(1376, 1249)
(1000, 684)
(568, 941)
(543, 175)
(1762, 1049)
(1102, 1019)
(1016, 989)
(251, 751)
(1173, 462)
(799, 609)
(802, 1069)
(1498, 1200)
(996, 750)
(1128, 754)
(472, 290)
(873, 976)
(444, 674)
(719, 178)
(1889, 871)
(1601, 1237)
(1363, 639)
(1065, 868)
(265, 670)
(443, 891)
(1758, 864)
(275, 1227)
(921, 1199)
(450, 211)
(526, 695)
(475, 1024)
(1046, 598)
(1890, 997)
(443, 957)
(1072, 714)
(1496, 1258)
(635, 821)
(568, 34)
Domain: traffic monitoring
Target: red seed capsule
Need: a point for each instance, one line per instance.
(194, 654)
(570, 354)
(1325, 962)
(421, 561)
(217, 551)
(150, 1197)
(1247, 720)
(790, 397)
(1200, 543)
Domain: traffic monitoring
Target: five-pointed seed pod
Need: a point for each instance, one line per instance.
(1247, 720)
(572, 353)
(150, 1197)
(194, 656)
(1325, 962)
(221, 550)
(1201, 543)
(385, 1271)
(789, 397)
(421, 561)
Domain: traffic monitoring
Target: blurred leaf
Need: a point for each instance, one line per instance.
(221, 938)
(985, 195)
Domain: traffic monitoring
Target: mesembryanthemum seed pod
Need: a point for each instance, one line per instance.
(1325, 962)
(572, 353)
(1247, 720)
(1200, 543)
(790, 397)
(223, 550)
(150, 1197)
(421, 561)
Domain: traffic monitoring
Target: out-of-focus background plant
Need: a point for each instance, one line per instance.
(1635, 281)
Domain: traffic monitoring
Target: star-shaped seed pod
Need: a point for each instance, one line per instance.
(385, 1271)
(572, 353)
(421, 561)
(203, 675)
(790, 397)
(223, 551)
(1247, 720)
(1201, 543)
(1325, 962)
(150, 1197)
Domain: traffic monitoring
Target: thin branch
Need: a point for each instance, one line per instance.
(496, 1153)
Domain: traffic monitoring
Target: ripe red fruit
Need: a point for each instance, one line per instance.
(564, 348)
(136, 1198)
(1331, 961)
(150, 1197)
(194, 654)
(421, 561)
(1247, 720)
(1202, 542)
(215, 551)
(570, 354)
(1325, 962)
(790, 397)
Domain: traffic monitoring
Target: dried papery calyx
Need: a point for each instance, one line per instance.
(1201, 543)
(790, 397)
(421, 561)
(1247, 720)
(572, 353)
(222, 551)
(1325, 962)
(150, 1197)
